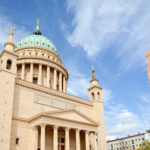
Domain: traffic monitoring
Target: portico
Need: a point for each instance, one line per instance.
(60, 135)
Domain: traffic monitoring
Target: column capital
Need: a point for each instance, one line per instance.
(78, 130)
(55, 126)
(87, 131)
(67, 128)
(43, 124)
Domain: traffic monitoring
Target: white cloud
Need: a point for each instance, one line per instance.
(120, 121)
(5, 26)
(78, 82)
(97, 25)
(110, 137)
(107, 95)
(123, 129)
(145, 98)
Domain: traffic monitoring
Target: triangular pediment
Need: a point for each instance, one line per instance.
(71, 115)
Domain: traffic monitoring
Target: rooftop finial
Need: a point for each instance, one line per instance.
(9, 45)
(92, 68)
(93, 73)
(11, 31)
(37, 24)
(37, 30)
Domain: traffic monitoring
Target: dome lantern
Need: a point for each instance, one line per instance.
(37, 30)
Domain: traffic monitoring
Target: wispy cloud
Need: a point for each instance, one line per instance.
(107, 95)
(100, 25)
(78, 82)
(120, 121)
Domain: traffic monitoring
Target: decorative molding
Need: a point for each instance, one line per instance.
(95, 86)
(37, 48)
(52, 92)
(6, 51)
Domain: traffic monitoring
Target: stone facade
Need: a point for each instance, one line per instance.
(148, 64)
(36, 112)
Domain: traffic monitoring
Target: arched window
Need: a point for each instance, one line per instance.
(8, 65)
(93, 97)
(98, 95)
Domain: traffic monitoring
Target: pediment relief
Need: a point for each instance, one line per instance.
(69, 115)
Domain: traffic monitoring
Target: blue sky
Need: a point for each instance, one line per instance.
(111, 35)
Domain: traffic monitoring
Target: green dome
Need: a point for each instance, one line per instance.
(36, 40)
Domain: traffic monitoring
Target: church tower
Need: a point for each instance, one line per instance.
(95, 96)
(148, 64)
(7, 83)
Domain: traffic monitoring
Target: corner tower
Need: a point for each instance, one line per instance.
(7, 84)
(95, 96)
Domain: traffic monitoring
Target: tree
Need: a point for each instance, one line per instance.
(145, 146)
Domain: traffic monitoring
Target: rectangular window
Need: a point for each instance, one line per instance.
(35, 80)
(17, 141)
(62, 140)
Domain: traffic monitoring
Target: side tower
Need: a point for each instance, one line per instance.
(95, 95)
(7, 84)
(148, 64)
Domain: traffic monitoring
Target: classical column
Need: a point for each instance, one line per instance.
(77, 139)
(43, 136)
(48, 76)
(22, 71)
(31, 73)
(40, 74)
(60, 81)
(64, 84)
(35, 138)
(55, 79)
(55, 138)
(87, 140)
(67, 142)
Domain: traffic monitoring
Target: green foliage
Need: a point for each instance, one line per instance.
(145, 146)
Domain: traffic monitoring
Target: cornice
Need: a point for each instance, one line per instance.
(95, 86)
(8, 52)
(8, 71)
(48, 115)
(52, 92)
(10, 43)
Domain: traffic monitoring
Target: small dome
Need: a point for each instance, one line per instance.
(36, 40)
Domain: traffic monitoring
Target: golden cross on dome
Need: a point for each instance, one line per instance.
(37, 22)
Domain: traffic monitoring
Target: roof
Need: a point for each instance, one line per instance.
(118, 139)
(36, 40)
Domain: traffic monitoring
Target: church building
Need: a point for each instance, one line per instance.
(36, 113)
